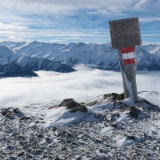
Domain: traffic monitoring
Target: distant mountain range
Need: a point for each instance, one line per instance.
(23, 58)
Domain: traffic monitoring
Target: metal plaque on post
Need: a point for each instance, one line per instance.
(125, 33)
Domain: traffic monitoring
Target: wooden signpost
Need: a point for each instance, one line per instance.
(125, 35)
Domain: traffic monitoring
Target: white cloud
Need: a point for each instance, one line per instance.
(57, 86)
(32, 19)
(61, 6)
(151, 35)
(139, 4)
(149, 19)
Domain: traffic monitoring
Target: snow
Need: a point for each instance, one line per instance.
(60, 116)
(122, 141)
(157, 123)
(6, 55)
(124, 117)
(129, 87)
(107, 130)
(129, 55)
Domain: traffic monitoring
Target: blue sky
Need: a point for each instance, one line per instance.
(65, 21)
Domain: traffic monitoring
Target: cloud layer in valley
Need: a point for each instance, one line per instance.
(57, 86)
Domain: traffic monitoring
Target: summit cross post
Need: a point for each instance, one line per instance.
(125, 35)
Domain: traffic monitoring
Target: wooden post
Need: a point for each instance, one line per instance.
(125, 35)
(128, 69)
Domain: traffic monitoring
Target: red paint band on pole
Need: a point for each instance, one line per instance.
(129, 61)
(128, 55)
(127, 50)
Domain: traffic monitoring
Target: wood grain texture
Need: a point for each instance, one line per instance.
(125, 33)
(129, 79)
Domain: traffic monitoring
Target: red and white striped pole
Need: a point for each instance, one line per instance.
(125, 35)
(128, 55)
(128, 68)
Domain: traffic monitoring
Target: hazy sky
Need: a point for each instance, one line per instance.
(58, 86)
(67, 21)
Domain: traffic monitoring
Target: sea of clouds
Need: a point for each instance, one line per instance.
(57, 86)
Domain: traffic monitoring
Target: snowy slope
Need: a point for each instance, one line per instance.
(7, 55)
(13, 65)
(13, 45)
(99, 56)
(147, 61)
(36, 64)
(14, 70)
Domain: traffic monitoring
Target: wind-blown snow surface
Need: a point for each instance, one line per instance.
(57, 86)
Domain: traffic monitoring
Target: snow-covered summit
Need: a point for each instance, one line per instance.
(7, 55)
(100, 55)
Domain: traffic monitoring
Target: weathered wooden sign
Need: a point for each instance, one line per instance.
(125, 33)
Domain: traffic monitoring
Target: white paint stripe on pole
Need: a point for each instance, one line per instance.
(130, 55)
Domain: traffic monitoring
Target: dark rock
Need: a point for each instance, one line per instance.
(121, 96)
(5, 112)
(56, 158)
(40, 136)
(131, 137)
(73, 106)
(12, 158)
(114, 96)
(25, 118)
(38, 152)
(48, 139)
(134, 112)
(79, 108)
(70, 103)
(11, 112)
(114, 125)
(16, 110)
(10, 147)
(91, 103)
(20, 154)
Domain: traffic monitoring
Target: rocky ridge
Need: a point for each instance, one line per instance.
(115, 131)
